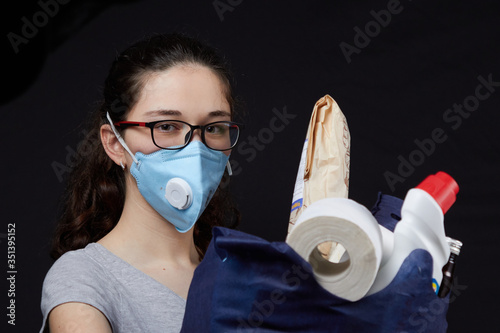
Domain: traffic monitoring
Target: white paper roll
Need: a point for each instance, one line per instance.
(350, 224)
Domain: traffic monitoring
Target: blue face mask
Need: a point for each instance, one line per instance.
(178, 184)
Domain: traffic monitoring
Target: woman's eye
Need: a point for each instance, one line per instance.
(167, 127)
(218, 129)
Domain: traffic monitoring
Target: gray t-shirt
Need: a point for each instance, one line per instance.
(131, 300)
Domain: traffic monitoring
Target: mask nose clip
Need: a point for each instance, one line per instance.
(179, 193)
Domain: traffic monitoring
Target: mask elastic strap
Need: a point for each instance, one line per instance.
(228, 167)
(120, 139)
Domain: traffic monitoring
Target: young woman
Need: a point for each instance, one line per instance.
(140, 207)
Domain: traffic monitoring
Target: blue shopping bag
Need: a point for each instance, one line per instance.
(247, 284)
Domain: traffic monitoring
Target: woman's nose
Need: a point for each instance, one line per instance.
(196, 136)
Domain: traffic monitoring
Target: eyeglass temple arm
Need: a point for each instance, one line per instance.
(120, 139)
(130, 123)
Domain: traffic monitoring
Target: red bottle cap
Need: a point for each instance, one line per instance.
(442, 188)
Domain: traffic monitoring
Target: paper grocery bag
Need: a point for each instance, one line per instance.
(324, 164)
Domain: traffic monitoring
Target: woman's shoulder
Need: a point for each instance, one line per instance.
(77, 276)
(81, 263)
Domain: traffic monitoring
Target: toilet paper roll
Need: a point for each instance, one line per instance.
(350, 224)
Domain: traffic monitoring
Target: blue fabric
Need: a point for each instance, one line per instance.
(387, 210)
(196, 164)
(247, 284)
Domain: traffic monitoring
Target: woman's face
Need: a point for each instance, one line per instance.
(189, 92)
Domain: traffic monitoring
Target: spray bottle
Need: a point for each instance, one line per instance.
(421, 227)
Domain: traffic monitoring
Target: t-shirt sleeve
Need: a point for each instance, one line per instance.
(74, 277)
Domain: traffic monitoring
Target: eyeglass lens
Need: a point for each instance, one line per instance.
(218, 135)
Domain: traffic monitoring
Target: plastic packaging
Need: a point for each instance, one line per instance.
(449, 268)
(421, 227)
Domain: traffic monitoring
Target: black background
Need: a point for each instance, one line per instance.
(396, 89)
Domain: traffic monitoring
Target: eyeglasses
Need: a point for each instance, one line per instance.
(176, 134)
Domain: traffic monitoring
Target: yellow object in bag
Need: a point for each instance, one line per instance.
(324, 164)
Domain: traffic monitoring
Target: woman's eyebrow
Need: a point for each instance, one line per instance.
(211, 114)
(219, 113)
(163, 113)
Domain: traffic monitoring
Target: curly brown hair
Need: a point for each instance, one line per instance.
(95, 192)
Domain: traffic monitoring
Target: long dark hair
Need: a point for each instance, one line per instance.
(95, 191)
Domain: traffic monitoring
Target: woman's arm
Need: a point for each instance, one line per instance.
(78, 317)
